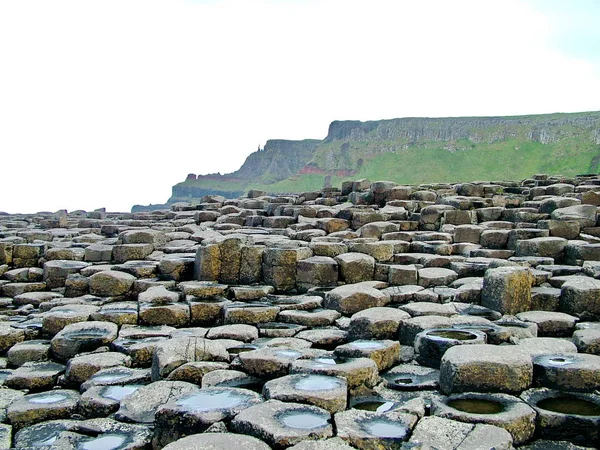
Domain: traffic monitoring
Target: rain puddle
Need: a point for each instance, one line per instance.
(570, 405)
(277, 326)
(241, 349)
(114, 375)
(385, 429)
(47, 398)
(561, 361)
(453, 334)
(207, 401)
(476, 406)
(367, 345)
(303, 420)
(111, 441)
(330, 361)
(289, 353)
(119, 392)
(86, 335)
(317, 383)
(374, 405)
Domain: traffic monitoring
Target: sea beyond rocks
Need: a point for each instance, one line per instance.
(372, 316)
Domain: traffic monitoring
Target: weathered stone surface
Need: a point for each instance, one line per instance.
(217, 441)
(111, 283)
(507, 289)
(355, 267)
(485, 368)
(580, 296)
(352, 298)
(282, 424)
(376, 323)
(141, 406)
(329, 393)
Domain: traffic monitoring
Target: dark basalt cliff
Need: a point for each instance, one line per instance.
(413, 150)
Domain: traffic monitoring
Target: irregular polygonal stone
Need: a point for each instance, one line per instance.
(507, 289)
(376, 323)
(34, 408)
(485, 368)
(82, 336)
(580, 296)
(357, 371)
(196, 411)
(436, 276)
(385, 353)
(141, 406)
(57, 271)
(111, 283)
(365, 430)
(438, 432)
(552, 324)
(175, 352)
(35, 376)
(355, 267)
(217, 441)
(352, 298)
(329, 393)
(552, 247)
(283, 424)
(316, 271)
(81, 368)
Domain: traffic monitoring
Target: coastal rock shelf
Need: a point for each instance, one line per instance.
(448, 316)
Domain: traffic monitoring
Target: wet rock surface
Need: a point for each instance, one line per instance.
(459, 316)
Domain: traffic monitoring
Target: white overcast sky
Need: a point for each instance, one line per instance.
(109, 103)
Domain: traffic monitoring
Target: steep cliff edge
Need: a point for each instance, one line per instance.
(414, 150)
(278, 160)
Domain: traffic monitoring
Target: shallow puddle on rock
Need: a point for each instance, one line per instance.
(570, 405)
(476, 406)
(111, 376)
(303, 420)
(375, 406)
(453, 334)
(317, 383)
(206, 401)
(289, 353)
(119, 392)
(4, 374)
(560, 360)
(366, 345)
(118, 311)
(330, 361)
(106, 442)
(47, 398)
(85, 335)
(385, 429)
(241, 349)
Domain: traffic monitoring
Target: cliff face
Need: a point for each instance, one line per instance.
(540, 128)
(280, 159)
(414, 150)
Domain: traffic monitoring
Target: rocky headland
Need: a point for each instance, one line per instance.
(371, 315)
(411, 150)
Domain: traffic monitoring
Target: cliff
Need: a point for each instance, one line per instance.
(414, 150)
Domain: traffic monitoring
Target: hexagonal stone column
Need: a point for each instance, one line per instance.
(507, 289)
(580, 296)
(485, 368)
(316, 271)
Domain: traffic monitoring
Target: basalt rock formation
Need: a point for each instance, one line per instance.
(375, 315)
(413, 150)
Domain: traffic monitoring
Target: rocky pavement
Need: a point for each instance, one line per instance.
(375, 316)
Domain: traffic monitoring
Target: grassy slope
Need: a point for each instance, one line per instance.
(431, 161)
